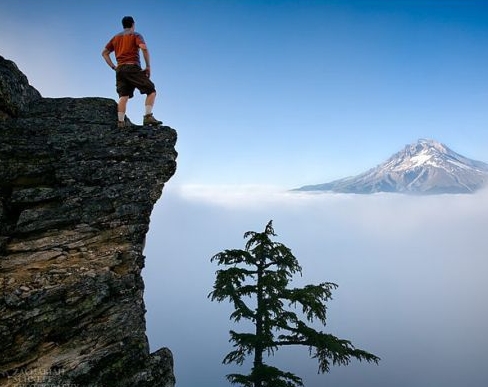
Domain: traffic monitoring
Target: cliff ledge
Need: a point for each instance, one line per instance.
(76, 195)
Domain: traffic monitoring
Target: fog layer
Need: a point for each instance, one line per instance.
(412, 276)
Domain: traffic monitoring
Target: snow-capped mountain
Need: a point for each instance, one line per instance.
(424, 167)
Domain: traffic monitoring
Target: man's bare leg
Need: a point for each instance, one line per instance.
(148, 117)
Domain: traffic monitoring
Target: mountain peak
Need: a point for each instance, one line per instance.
(424, 167)
(427, 145)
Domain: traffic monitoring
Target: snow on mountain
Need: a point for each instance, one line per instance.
(424, 167)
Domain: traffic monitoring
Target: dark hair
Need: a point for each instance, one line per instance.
(127, 21)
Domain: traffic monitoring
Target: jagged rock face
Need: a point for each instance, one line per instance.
(76, 195)
(15, 92)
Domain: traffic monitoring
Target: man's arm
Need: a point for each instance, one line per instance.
(106, 56)
(147, 59)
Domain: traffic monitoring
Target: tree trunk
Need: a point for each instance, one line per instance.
(258, 350)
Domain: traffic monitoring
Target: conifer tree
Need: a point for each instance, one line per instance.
(256, 282)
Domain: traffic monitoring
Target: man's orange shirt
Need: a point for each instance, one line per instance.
(126, 46)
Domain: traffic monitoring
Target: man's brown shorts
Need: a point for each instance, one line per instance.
(130, 77)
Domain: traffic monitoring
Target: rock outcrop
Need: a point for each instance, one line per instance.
(76, 195)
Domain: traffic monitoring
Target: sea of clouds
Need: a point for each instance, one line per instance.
(412, 275)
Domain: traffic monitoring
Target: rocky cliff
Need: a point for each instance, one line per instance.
(76, 195)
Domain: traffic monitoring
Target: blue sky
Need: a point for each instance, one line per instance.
(271, 95)
(285, 93)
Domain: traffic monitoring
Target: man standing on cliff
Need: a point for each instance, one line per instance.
(129, 74)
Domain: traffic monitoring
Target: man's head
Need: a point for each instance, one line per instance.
(127, 21)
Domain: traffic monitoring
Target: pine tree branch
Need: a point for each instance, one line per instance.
(261, 273)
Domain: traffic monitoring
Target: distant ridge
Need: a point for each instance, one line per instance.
(424, 167)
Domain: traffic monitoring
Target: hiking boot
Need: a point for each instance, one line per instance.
(124, 124)
(151, 121)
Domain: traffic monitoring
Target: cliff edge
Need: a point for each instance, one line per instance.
(76, 195)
